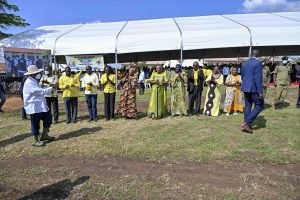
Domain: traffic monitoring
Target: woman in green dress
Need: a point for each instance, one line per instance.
(158, 105)
(178, 90)
(213, 95)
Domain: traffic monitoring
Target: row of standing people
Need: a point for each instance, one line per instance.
(193, 80)
(35, 103)
(191, 83)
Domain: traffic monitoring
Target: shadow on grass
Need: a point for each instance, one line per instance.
(59, 190)
(283, 105)
(259, 123)
(141, 115)
(78, 133)
(86, 117)
(267, 106)
(14, 139)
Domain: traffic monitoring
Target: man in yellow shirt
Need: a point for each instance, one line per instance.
(108, 81)
(69, 85)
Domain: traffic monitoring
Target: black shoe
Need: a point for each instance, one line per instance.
(95, 119)
(74, 121)
(1, 111)
(68, 122)
(89, 120)
(24, 118)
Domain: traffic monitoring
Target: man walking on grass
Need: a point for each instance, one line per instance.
(35, 105)
(253, 90)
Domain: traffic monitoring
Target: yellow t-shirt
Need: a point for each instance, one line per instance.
(196, 74)
(72, 91)
(108, 87)
(206, 72)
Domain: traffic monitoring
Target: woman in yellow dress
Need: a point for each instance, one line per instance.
(234, 100)
(158, 101)
(213, 95)
(178, 83)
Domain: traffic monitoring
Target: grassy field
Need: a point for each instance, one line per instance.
(155, 159)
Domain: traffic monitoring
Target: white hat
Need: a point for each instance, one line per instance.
(32, 69)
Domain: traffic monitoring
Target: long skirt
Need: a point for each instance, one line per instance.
(157, 105)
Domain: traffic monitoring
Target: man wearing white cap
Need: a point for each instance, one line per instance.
(35, 105)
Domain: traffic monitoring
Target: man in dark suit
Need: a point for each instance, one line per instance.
(253, 90)
(195, 78)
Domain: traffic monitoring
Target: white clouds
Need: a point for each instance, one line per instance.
(270, 5)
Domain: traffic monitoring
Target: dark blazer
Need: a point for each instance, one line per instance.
(22, 85)
(190, 78)
(251, 73)
(1, 88)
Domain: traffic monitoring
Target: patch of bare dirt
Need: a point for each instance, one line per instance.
(219, 175)
(13, 103)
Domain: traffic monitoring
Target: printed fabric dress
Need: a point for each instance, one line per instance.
(158, 99)
(178, 92)
(213, 96)
(127, 103)
(234, 100)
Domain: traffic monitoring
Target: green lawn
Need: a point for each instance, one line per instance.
(276, 137)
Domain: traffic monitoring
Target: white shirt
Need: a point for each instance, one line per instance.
(142, 77)
(34, 96)
(93, 78)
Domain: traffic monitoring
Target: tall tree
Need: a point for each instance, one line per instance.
(8, 19)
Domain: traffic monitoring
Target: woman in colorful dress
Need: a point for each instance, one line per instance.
(213, 95)
(158, 104)
(178, 90)
(234, 100)
(127, 103)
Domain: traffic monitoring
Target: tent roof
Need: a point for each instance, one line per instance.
(205, 36)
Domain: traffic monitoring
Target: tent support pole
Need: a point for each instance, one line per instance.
(54, 48)
(273, 52)
(116, 53)
(181, 41)
(249, 30)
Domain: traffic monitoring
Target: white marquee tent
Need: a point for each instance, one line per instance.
(165, 39)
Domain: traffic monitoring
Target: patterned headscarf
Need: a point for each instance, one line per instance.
(180, 67)
(132, 70)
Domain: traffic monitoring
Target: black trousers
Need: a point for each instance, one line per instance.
(298, 101)
(109, 105)
(71, 104)
(23, 112)
(52, 103)
(195, 100)
(142, 88)
(35, 121)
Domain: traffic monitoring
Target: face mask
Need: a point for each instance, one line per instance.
(284, 62)
(47, 72)
(38, 76)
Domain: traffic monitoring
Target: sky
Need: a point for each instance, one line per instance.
(56, 12)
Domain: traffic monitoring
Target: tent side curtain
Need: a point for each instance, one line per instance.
(147, 37)
(232, 52)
